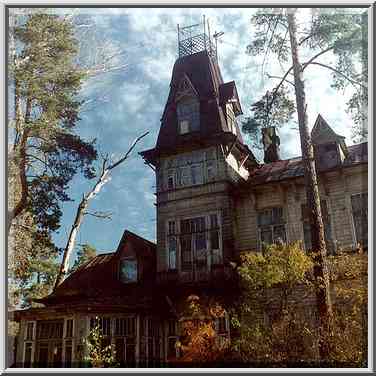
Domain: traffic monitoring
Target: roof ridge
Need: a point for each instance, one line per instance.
(138, 236)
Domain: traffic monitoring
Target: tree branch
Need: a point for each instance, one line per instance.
(339, 73)
(129, 151)
(304, 65)
(278, 77)
(81, 210)
(99, 214)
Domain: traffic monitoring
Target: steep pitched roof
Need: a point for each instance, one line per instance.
(205, 77)
(323, 132)
(99, 276)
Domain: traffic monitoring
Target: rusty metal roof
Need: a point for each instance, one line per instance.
(99, 276)
(293, 167)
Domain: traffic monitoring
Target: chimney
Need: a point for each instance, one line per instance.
(271, 143)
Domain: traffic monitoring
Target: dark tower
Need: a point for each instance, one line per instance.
(198, 156)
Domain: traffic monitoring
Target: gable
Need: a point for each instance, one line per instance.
(185, 89)
(322, 132)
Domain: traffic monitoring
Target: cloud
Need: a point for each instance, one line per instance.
(137, 96)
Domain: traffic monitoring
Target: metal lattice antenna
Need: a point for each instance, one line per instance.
(193, 39)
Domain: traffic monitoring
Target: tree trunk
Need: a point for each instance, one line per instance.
(81, 210)
(64, 267)
(313, 198)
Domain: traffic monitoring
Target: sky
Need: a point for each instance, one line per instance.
(131, 101)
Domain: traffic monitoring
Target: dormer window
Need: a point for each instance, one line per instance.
(188, 111)
(128, 270)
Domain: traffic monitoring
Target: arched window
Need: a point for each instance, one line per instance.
(188, 111)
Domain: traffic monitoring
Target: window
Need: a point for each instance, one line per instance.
(69, 328)
(188, 169)
(188, 112)
(68, 353)
(307, 227)
(172, 245)
(214, 240)
(125, 326)
(359, 205)
(185, 176)
(193, 241)
(173, 328)
(171, 179)
(50, 329)
(128, 270)
(104, 324)
(28, 354)
(196, 171)
(125, 334)
(210, 169)
(29, 331)
(231, 121)
(271, 226)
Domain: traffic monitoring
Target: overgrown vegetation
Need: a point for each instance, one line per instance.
(100, 353)
(274, 322)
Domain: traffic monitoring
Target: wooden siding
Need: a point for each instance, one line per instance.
(335, 187)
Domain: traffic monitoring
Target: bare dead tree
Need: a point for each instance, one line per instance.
(103, 178)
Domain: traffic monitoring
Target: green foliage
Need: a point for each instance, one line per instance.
(278, 264)
(32, 263)
(45, 83)
(278, 326)
(274, 108)
(340, 33)
(84, 254)
(100, 355)
(45, 153)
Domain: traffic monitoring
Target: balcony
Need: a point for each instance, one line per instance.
(218, 273)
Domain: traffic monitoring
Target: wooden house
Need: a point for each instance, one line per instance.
(214, 200)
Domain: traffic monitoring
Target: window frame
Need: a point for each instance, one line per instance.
(208, 230)
(270, 226)
(231, 118)
(327, 222)
(355, 235)
(188, 113)
(124, 259)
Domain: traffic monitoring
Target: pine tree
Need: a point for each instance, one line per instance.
(341, 35)
(84, 254)
(44, 152)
